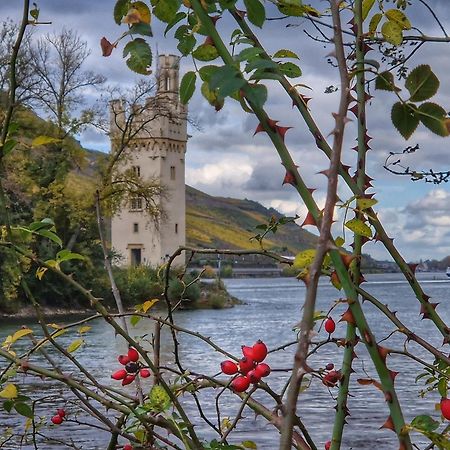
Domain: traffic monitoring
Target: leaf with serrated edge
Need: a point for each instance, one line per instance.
(392, 32)
(365, 203)
(304, 258)
(148, 304)
(21, 333)
(9, 391)
(405, 119)
(422, 83)
(359, 227)
(433, 117)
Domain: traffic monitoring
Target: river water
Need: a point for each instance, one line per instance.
(272, 307)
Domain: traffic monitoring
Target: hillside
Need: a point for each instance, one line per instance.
(229, 223)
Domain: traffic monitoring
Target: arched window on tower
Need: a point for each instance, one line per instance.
(167, 83)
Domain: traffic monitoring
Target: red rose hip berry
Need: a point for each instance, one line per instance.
(248, 352)
(445, 408)
(329, 366)
(228, 367)
(263, 370)
(133, 354)
(327, 445)
(57, 420)
(128, 379)
(119, 374)
(123, 359)
(259, 351)
(61, 412)
(245, 365)
(253, 376)
(330, 325)
(127, 447)
(240, 384)
(144, 373)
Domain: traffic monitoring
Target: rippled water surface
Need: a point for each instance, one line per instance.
(271, 309)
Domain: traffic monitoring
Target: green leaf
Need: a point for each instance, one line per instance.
(256, 12)
(44, 140)
(34, 13)
(141, 28)
(257, 94)
(442, 387)
(9, 146)
(366, 7)
(50, 235)
(283, 53)
(425, 423)
(385, 81)
(404, 118)
(304, 258)
(422, 83)
(248, 53)
(166, 10)
(206, 72)
(392, 32)
(212, 97)
(365, 203)
(187, 87)
(295, 8)
(8, 405)
(186, 45)
(397, 16)
(67, 255)
(249, 444)
(178, 18)
(374, 21)
(433, 117)
(260, 64)
(134, 320)
(120, 10)
(139, 56)
(226, 80)
(75, 345)
(291, 70)
(24, 410)
(205, 52)
(359, 227)
(159, 399)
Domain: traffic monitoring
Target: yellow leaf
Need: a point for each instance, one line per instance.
(44, 140)
(84, 329)
(54, 325)
(7, 342)
(28, 424)
(304, 258)
(9, 392)
(75, 345)
(143, 10)
(21, 333)
(149, 304)
(40, 272)
(365, 203)
(59, 333)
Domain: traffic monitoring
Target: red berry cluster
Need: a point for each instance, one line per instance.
(58, 419)
(127, 447)
(251, 367)
(327, 445)
(132, 367)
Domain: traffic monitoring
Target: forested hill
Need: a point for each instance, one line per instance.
(230, 223)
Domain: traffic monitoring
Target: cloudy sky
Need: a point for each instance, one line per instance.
(225, 159)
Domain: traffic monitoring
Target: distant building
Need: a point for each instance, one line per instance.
(157, 151)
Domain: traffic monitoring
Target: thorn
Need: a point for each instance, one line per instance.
(348, 317)
(271, 123)
(309, 220)
(383, 351)
(209, 41)
(241, 13)
(335, 281)
(305, 277)
(413, 267)
(347, 259)
(355, 148)
(282, 131)
(367, 97)
(425, 297)
(366, 48)
(354, 109)
(289, 178)
(424, 309)
(345, 168)
(389, 424)
(367, 138)
(393, 374)
(325, 172)
(311, 190)
(214, 19)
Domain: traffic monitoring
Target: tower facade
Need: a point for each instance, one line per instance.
(156, 152)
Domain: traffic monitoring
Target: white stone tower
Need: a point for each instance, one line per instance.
(156, 152)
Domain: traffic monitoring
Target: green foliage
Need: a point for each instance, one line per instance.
(404, 118)
(181, 290)
(422, 83)
(139, 56)
(138, 284)
(187, 87)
